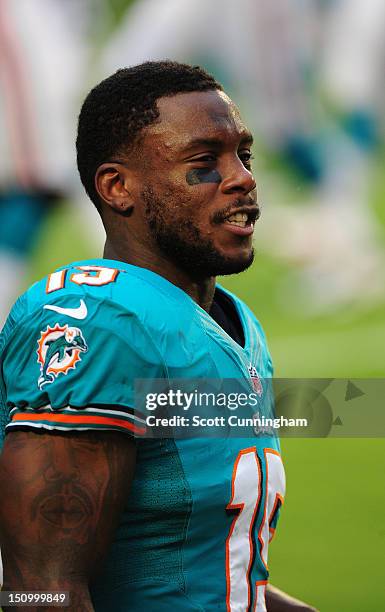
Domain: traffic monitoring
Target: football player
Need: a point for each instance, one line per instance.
(90, 504)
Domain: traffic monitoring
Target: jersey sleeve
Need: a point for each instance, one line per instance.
(63, 373)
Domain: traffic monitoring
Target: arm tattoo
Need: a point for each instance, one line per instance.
(62, 495)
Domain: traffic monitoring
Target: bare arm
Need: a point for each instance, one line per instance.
(278, 601)
(61, 497)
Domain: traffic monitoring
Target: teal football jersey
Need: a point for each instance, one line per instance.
(196, 527)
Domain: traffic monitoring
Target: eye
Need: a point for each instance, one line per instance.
(246, 157)
(208, 158)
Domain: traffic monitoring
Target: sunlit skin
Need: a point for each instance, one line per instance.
(188, 172)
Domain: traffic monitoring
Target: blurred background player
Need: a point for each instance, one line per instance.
(44, 53)
(337, 237)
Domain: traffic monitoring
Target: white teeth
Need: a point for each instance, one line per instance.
(238, 218)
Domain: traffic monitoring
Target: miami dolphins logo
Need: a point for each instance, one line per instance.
(58, 351)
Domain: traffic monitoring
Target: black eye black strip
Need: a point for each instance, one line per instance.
(203, 175)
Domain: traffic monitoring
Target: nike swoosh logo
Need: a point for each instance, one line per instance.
(76, 313)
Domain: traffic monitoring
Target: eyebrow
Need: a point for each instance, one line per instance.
(217, 143)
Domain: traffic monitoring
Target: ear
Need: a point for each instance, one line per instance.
(114, 184)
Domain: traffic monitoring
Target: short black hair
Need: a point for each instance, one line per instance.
(118, 108)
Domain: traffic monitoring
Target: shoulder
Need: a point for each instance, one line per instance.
(102, 292)
(80, 338)
(124, 316)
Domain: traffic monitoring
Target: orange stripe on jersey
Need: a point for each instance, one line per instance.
(84, 419)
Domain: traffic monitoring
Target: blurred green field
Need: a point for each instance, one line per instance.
(330, 544)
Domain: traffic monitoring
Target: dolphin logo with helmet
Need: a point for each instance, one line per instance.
(59, 349)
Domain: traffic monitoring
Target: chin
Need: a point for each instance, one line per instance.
(235, 267)
(234, 264)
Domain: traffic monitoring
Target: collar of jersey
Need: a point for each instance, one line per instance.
(240, 314)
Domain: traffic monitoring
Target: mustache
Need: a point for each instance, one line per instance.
(250, 206)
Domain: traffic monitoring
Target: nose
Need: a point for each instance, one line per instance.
(238, 179)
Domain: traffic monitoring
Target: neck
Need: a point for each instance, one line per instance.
(200, 290)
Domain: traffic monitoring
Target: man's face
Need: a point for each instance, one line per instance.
(198, 192)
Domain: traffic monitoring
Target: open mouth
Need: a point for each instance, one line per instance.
(240, 219)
